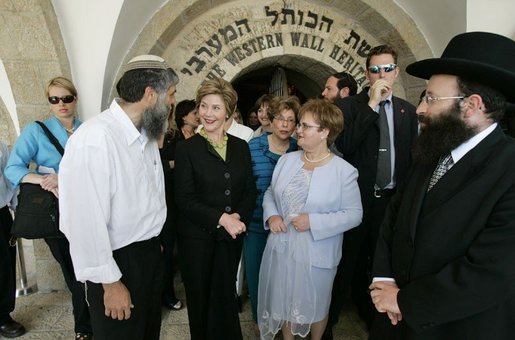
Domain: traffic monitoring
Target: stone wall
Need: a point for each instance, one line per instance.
(32, 50)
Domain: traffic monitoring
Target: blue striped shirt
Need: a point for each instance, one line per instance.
(263, 164)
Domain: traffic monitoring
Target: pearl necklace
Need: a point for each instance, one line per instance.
(316, 160)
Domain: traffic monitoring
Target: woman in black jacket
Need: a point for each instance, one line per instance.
(215, 194)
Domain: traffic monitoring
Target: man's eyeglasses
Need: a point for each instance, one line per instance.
(428, 99)
(304, 126)
(287, 120)
(386, 67)
(66, 99)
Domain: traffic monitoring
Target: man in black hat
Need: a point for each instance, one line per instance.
(444, 262)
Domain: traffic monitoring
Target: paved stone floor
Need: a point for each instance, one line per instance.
(49, 316)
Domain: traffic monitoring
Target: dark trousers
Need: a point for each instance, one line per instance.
(7, 266)
(60, 249)
(141, 264)
(168, 237)
(354, 269)
(209, 270)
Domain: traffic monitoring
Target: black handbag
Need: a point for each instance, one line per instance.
(37, 213)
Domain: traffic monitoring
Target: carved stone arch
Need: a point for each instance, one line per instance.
(32, 51)
(180, 30)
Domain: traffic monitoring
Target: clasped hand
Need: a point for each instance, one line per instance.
(49, 183)
(384, 297)
(300, 223)
(232, 224)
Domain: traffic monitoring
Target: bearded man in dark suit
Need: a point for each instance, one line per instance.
(444, 262)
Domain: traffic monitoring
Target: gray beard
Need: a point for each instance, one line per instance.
(155, 119)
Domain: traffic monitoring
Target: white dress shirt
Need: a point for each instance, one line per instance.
(241, 131)
(111, 193)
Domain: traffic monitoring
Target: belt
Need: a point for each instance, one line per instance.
(378, 193)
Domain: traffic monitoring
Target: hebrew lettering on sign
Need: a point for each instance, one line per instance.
(195, 60)
(205, 50)
(364, 48)
(289, 17)
(215, 43)
(285, 12)
(328, 21)
(270, 13)
(242, 22)
(351, 36)
(313, 16)
(229, 33)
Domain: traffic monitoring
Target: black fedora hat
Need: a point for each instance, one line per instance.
(487, 58)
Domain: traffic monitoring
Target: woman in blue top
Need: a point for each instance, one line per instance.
(34, 146)
(265, 151)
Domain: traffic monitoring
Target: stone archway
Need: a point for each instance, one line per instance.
(205, 39)
(32, 50)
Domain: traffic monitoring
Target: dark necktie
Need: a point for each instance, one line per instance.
(384, 165)
(444, 164)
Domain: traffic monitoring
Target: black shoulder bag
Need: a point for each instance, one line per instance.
(37, 213)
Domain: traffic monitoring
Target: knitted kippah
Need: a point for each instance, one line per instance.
(146, 61)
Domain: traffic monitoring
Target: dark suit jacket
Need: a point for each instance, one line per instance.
(359, 140)
(206, 186)
(452, 250)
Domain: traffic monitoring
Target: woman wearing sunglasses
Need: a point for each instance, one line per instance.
(34, 146)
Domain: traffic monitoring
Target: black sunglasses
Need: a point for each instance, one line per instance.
(66, 99)
(386, 67)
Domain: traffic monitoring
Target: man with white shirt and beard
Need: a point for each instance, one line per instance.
(112, 203)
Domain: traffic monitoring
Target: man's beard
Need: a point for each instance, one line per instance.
(441, 135)
(155, 119)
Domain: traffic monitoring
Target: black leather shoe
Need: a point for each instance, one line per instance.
(173, 304)
(11, 329)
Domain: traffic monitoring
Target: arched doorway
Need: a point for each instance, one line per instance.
(305, 75)
(309, 39)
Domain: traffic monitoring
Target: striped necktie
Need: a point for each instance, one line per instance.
(384, 165)
(444, 164)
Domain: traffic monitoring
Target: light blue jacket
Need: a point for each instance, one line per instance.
(34, 145)
(333, 204)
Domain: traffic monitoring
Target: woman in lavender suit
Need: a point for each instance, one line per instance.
(312, 200)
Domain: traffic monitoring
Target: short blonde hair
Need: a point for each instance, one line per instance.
(63, 82)
(325, 114)
(222, 88)
(279, 104)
